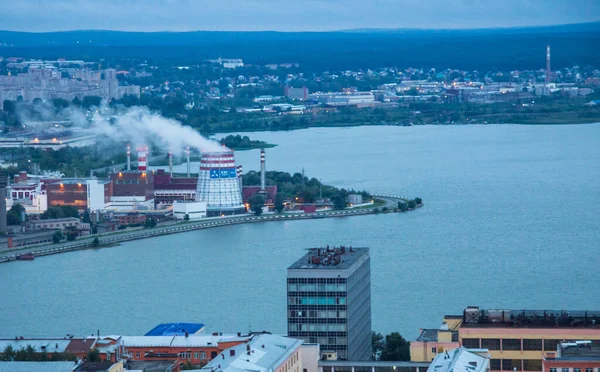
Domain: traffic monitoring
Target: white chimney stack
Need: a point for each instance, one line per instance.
(170, 163)
(187, 153)
(262, 171)
(128, 157)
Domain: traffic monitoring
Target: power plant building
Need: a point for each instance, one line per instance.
(329, 301)
(218, 184)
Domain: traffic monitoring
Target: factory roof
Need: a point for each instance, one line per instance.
(36, 366)
(578, 351)
(168, 341)
(459, 360)
(175, 329)
(265, 352)
(474, 317)
(329, 258)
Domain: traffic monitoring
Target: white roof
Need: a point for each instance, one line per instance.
(459, 360)
(179, 341)
(37, 366)
(50, 345)
(267, 352)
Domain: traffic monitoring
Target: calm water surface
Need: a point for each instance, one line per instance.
(512, 219)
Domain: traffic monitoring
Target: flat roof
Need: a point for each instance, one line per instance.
(370, 363)
(175, 329)
(487, 318)
(168, 341)
(325, 258)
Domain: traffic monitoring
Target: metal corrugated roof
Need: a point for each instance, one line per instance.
(37, 366)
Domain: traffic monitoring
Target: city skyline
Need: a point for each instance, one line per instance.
(314, 15)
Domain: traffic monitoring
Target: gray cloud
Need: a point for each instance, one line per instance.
(288, 15)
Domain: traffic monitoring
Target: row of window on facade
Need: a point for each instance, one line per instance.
(317, 327)
(199, 355)
(370, 369)
(323, 314)
(512, 344)
(317, 300)
(563, 369)
(316, 287)
(51, 225)
(127, 182)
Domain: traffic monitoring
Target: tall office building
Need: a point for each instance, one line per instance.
(329, 301)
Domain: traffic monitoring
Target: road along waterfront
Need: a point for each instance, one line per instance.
(119, 237)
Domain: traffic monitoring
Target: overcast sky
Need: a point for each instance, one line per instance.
(288, 15)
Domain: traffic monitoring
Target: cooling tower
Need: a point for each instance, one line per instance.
(218, 185)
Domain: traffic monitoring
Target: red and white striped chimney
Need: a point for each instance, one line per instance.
(142, 159)
(128, 157)
(262, 170)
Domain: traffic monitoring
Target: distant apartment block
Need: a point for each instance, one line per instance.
(48, 82)
(577, 356)
(228, 62)
(329, 301)
(300, 94)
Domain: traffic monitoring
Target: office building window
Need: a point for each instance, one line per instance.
(532, 344)
(470, 343)
(564, 370)
(511, 344)
(434, 350)
(195, 355)
(552, 369)
(589, 370)
(576, 369)
(490, 343)
(496, 365)
(213, 354)
(511, 364)
(137, 355)
(532, 365)
(203, 355)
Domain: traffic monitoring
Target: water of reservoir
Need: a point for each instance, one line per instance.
(512, 220)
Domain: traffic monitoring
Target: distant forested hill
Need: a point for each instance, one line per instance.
(483, 49)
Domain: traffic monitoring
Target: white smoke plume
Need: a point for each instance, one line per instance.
(140, 126)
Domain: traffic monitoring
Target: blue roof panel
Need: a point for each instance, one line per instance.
(175, 329)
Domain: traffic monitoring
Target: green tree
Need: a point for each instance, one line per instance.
(396, 348)
(377, 344)
(339, 202)
(412, 204)
(257, 202)
(150, 223)
(418, 201)
(96, 242)
(71, 234)
(57, 237)
(60, 211)
(402, 206)
(186, 217)
(13, 216)
(8, 355)
(93, 356)
(86, 216)
(187, 366)
(279, 202)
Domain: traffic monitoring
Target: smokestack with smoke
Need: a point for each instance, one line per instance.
(140, 126)
(171, 163)
(142, 159)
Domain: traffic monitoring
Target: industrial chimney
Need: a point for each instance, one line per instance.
(187, 153)
(548, 64)
(262, 171)
(171, 164)
(128, 157)
(3, 184)
(240, 173)
(142, 158)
